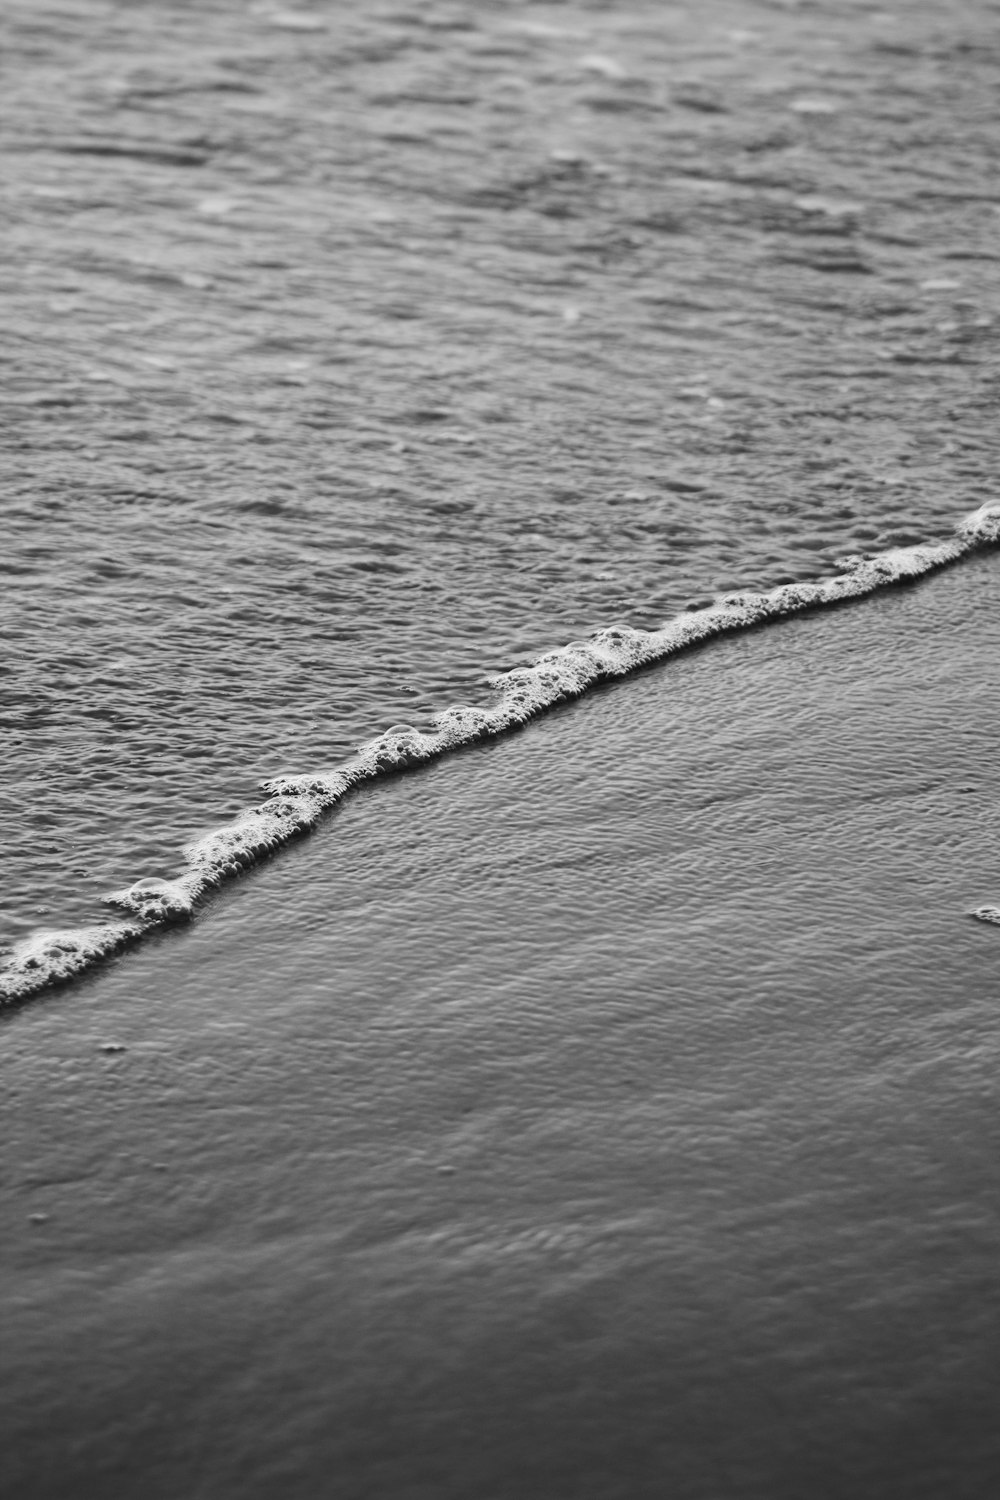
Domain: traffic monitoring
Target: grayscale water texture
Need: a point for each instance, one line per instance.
(609, 1112)
(355, 352)
(606, 1111)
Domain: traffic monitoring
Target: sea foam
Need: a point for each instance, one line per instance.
(297, 802)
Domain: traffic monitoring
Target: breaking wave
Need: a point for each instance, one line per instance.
(296, 803)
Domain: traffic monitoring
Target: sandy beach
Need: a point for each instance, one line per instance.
(602, 1113)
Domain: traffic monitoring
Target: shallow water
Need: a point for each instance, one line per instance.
(607, 1111)
(623, 1124)
(354, 354)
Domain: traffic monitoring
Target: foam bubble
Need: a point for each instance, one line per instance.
(400, 746)
(324, 788)
(983, 526)
(297, 802)
(252, 836)
(49, 956)
(462, 724)
(159, 901)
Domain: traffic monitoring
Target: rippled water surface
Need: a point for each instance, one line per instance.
(354, 353)
(608, 1113)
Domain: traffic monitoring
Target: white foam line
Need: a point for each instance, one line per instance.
(296, 803)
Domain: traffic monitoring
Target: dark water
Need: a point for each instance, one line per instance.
(542, 1136)
(354, 353)
(607, 1112)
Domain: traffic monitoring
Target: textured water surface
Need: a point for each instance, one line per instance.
(353, 354)
(607, 1113)
(296, 803)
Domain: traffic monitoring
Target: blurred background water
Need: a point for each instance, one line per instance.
(355, 352)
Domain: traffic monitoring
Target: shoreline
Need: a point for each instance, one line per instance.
(297, 802)
(648, 1053)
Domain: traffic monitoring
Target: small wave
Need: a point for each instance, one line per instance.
(987, 914)
(296, 803)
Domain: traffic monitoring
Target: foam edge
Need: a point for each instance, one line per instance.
(297, 802)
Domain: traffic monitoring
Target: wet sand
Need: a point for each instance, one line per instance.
(606, 1112)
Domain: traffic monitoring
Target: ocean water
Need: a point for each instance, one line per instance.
(355, 354)
(604, 1110)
